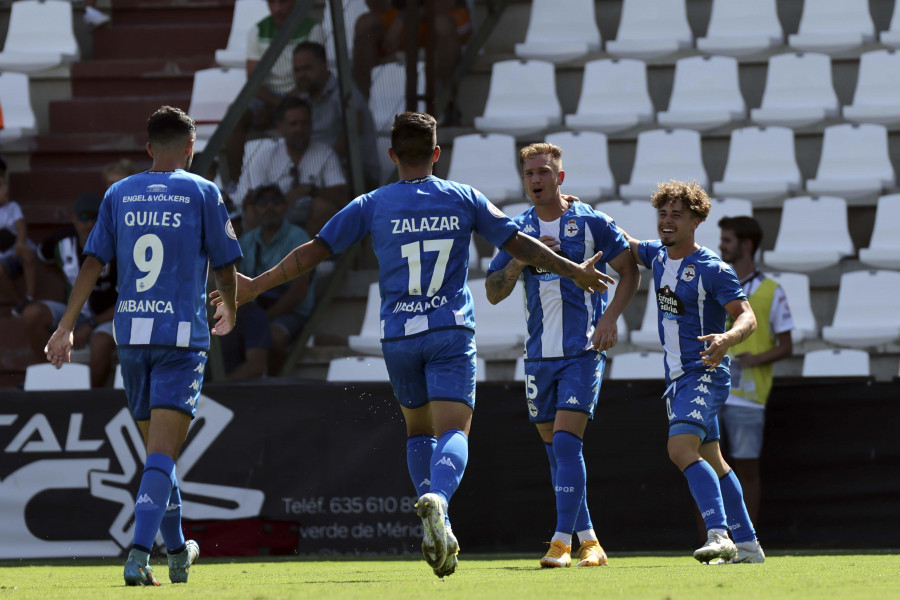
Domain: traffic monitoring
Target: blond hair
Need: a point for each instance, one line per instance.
(692, 196)
(532, 150)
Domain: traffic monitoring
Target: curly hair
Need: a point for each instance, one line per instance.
(691, 195)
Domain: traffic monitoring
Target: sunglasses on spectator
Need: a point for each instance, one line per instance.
(88, 215)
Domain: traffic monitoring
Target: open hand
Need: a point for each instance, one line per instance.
(59, 348)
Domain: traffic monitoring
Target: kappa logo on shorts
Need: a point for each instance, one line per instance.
(572, 400)
(705, 379)
(700, 401)
(702, 389)
(695, 414)
(195, 385)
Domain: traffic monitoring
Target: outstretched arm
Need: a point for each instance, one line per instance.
(60, 344)
(531, 251)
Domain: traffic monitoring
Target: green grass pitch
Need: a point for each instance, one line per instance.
(836, 575)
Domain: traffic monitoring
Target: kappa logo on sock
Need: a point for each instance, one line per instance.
(144, 500)
(426, 483)
(446, 461)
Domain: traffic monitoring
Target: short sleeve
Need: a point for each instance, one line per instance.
(347, 227)
(101, 243)
(780, 318)
(220, 241)
(609, 238)
(725, 286)
(491, 222)
(499, 261)
(647, 251)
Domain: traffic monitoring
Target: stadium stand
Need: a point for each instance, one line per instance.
(559, 33)
(15, 104)
(836, 362)
(813, 235)
(651, 28)
(855, 162)
(522, 99)
(706, 94)
(891, 36)
(799, 91)
(833, 26)
(586, 164)
(246, 14)
(614, 97)
(211, 95)
(708, 233)
(664, 154)
(866, 313)
(368, 341)
(637, 365)
(40, 36)
(740, 28)
(487, 162)
(46, 377)
(877, 95)
(500, 329)
(884, 248)
(357, 368)
(796, 289)
(761, 164)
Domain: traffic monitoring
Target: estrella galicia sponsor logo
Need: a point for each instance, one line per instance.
(669, 304)
(547, 275)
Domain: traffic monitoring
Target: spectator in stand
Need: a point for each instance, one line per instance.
(380, 34)
(278, 315)
(116, 171)
(308, 173)
(279, 80)
(315, 83)
(94, 325)
(16, 250)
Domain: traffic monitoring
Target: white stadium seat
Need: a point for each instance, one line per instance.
(637, 217)
(560, 30)
(836, 362)
(357, 368)
(661, 155)
(855, 162)
(877, 95)
(118, 380)
(352, 11)
(369, 339)
(480, 369)
(387, 97)
(648, 335)
(40, 36)
(614, 97)
(498, 328)
(519, 373)
(586, 163)
(514, 208)
(213, 91)
(813, 234)
(489, 163)
(796, 289)
(833, 26)
(521, 99)
(637, 365)
(740, 28)
(15, 102)
(891, 37)
(46, 377)
(798, 91)
(884, 247)
(651, 28)
(708, 233)
(706, 94)
(761, 164)
(866, 313)
(247, 13)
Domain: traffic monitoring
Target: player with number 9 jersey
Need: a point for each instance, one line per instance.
(163, 228)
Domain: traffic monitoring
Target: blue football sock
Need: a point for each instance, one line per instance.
(170, 527)
(419, 449)
(448, 463)
(738, 517)
(704, 487)
(152, 499)
(552, 457)
(571, 478)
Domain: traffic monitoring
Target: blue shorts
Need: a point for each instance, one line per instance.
(563, 384)
(439, 365)
(161, 378)
(744, 426)
(694, 399)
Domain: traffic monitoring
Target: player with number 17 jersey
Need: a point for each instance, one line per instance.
(421, 231)
(164, 229)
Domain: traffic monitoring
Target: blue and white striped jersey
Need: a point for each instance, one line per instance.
(421, 231)
(163, 228)
(562, 316)
(691, 294)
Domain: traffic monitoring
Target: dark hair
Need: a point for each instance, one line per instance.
(290, 103)
(265, 191)
(314, 48)
(744, 228)
(169, 125)
(692, 196)
(414, 138)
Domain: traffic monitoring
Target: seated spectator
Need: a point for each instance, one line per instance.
(285, 309)
(380, 33)
(315, 83)
(16, 250)
(308, 173)
(279, 80)
(64, 250)
(118, 170)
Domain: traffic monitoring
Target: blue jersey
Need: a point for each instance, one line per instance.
(691, 294)
(421, 231)
(163, 228)
(561, 315)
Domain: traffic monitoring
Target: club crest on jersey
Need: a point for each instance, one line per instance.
(571, 228)
(689, 273)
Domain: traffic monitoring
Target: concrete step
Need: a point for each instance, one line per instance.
(160, 41)
(136, 77)
(164, 12)
(53, 186)
(121, 115)
(87, 150)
